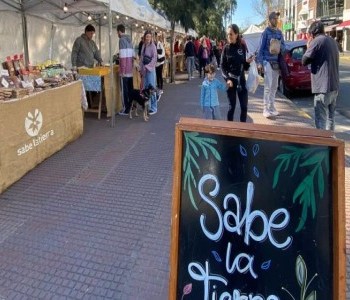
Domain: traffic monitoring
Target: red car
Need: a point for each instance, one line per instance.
(299, 77)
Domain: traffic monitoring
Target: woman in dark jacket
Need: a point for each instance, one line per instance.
(233, 64)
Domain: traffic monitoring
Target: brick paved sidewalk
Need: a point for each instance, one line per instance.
(93, 220)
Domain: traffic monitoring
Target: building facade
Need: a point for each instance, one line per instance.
(335, 14)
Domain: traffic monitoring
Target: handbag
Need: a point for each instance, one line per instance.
(275, 46)
(146, 59)
(274, 65)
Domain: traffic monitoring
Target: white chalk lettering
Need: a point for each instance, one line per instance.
(238, 261)
(216, 236)
(198, 273)
(233, 222)
(204, 276)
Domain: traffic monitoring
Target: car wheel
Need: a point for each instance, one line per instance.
(282, 88)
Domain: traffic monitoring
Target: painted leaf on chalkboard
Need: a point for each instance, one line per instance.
(187, 289)
(301, 275)
(300, 271)
(315, 160)
(255, 149)
(243, 150)
(216, 256)
(312, 296)
(193, 144)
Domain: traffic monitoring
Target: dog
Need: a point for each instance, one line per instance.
(141, 98)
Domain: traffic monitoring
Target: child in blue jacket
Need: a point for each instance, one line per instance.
(209, 94)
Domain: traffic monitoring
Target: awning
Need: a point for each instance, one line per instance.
(345, 24)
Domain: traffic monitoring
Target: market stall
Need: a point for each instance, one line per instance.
(98, 80)
(34, 127)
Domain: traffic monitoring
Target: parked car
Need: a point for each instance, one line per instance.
(299, 76)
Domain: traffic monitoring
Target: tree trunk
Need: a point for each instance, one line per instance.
(172, 67)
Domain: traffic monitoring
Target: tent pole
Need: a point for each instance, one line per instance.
(25, 36)
(112, 85)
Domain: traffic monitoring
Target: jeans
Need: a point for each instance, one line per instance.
(270, 86)
(127, 88)
(159, 73)
(150, 79)
(324, 105)
(202, 63)
(190, 66)
(242, 97)
(212, 112)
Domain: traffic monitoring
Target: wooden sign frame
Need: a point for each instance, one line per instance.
(268, 133)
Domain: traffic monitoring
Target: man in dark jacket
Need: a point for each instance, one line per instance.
(190, 54)
(85, 51)
(323, 55)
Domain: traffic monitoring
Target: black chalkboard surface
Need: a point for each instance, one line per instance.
(256, 213)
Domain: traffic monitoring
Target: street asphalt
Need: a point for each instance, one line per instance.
(93, 220)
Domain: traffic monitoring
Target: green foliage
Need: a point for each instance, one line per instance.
(316, 160)
(205, 16)
(195, 144)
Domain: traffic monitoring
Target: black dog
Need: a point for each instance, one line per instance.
(141, 98)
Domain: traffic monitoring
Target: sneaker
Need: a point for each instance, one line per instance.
(267, 113)
(152, 112)
(123, 113)
(274, 112)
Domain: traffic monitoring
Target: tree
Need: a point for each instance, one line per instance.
(211, 21)
(264, 7)
(182, 12)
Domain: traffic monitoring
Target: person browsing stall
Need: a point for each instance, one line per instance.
(233, 64)
(160, 62)
(126, 56)
(85, 50)
(148, 62)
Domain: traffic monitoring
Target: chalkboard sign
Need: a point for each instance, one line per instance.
(258, 213)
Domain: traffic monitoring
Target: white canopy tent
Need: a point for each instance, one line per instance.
(42, 30)
(252, 38)
(46, 29)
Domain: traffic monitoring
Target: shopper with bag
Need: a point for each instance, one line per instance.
(233, 64)
(271, 46)
(148, 62)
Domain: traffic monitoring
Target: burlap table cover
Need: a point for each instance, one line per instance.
(35, 127)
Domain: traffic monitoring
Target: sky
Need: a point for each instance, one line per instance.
(245, 14)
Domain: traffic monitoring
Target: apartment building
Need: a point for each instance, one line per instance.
(335, 14)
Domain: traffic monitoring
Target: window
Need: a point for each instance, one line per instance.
(297, 53)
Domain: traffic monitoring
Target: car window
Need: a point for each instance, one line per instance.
(297, 53)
